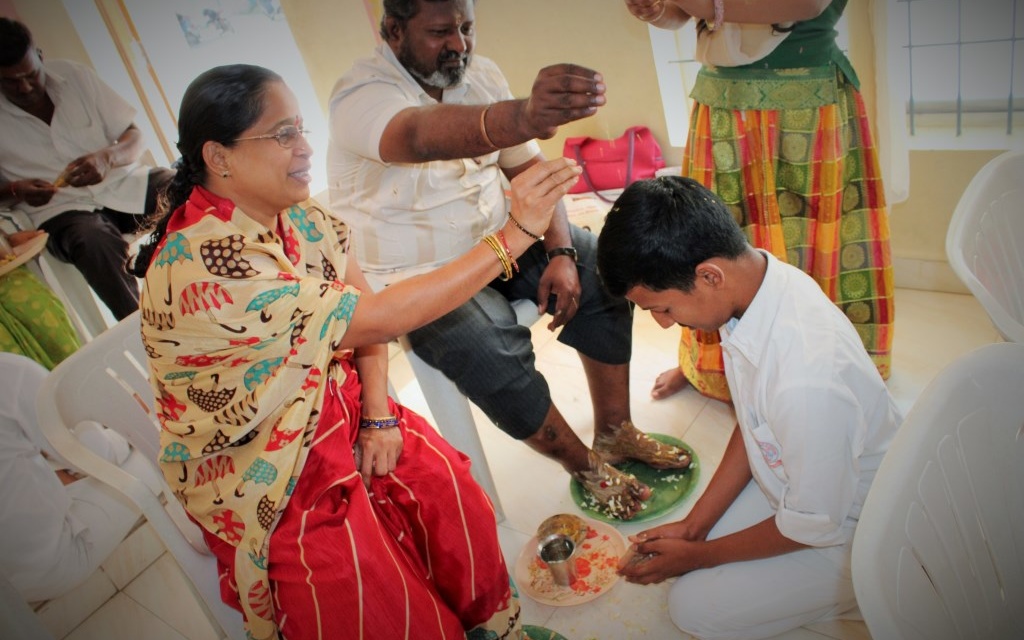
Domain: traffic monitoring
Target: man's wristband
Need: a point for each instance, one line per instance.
(563, 251)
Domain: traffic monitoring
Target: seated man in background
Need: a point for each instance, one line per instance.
(767, 547)
(422, 135)
(58, 526)
(69, 159)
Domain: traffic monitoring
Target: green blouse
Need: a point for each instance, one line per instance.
(804, 71)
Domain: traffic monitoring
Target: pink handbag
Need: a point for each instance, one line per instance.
(614, 164)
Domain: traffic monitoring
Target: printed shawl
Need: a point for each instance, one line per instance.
(240, 323)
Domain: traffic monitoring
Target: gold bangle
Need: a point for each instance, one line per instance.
(539, 238)
(506, 265)
(503, 258)
(483, 127)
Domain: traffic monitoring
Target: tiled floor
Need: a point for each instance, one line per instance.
(932, 330)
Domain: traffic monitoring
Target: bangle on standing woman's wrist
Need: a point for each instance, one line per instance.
(660, 3)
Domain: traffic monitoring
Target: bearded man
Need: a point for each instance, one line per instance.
(422, 134)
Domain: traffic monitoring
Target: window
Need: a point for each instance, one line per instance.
(955, 72)
(183, 38)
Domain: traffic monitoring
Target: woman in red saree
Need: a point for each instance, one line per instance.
(333, 511)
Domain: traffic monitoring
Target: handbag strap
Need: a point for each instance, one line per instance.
(585, 176)
(629, 158)
(577, 151)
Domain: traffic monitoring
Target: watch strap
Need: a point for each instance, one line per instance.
(563, 251)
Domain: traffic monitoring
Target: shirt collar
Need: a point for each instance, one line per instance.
(750, 335)
(450, 94)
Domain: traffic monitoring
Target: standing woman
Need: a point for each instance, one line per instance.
(333, 511)
(785, 142)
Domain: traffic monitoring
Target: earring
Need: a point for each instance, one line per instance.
(225, 174)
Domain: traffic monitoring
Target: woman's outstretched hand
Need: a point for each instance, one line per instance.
(535, 192)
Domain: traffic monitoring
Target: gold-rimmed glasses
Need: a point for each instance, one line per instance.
(285, 136)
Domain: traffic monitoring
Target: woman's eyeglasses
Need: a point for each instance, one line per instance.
(285, 136)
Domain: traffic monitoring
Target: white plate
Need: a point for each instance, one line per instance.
(596, 563)
(24, 252)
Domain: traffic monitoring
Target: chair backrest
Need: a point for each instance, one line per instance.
(107, 380)
(985, 242)
(939, 550)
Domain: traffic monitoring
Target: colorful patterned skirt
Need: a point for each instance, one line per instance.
(796, 165)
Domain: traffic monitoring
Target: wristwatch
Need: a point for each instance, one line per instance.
(563, 251)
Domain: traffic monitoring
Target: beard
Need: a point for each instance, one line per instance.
(439, 77)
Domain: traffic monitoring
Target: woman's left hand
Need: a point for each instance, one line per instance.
(377, 451)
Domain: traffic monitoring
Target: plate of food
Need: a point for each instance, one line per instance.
(669, 487)
(596, 558)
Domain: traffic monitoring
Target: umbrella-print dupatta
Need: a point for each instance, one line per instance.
(240, 322)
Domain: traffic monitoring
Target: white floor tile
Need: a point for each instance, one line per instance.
(61, 615)
(124, 619)
(139, 550)
(183, 613)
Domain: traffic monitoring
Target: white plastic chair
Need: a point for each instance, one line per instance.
(107, 381)
(939, 550)
(985, 242)
(451, 410)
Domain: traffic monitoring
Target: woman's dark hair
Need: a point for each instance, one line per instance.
(218, 106)
(15, 40)
(659, 230)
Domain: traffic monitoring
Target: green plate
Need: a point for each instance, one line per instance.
(541, 633)
(669, 487)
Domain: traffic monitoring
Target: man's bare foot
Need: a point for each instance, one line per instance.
(668, 382)
(626, 442)
(616, 494)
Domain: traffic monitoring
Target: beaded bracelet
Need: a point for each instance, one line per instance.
(378, 423)
(719, 15)
(483, 127)
(533, 235)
